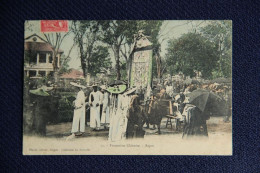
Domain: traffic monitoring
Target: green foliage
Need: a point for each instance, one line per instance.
(220, 33)
(191, 52)
(123, 68)
(99, 60)
(126, 29)
(65, 111)
(65, 68)
(115, 31)
(87, 38)
(151, 29)
(209, 52)
(43, 80)
(120, 34)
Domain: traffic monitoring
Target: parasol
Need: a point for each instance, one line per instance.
(130, 91)
(39, 92)
(207, 102)
(117, 82)
(77, 85)
(116, 89)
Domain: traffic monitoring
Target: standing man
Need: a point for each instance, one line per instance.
(95, 99)
(105, 110)
(78, 124)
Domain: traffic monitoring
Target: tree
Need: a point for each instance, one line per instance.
(99, 61)
(164, 35)
(220, 33)
(86, 37)
(119, 35)
(64, 68)
(191, 52)
(64, 64)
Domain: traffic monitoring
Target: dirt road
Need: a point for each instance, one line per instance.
(169, 142)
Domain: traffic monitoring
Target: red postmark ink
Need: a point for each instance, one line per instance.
(54, 26)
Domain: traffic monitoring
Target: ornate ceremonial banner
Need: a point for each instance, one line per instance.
(141, 72)
(141, 64)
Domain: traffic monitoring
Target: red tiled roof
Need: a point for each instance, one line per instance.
(38, 46)
(73, 74)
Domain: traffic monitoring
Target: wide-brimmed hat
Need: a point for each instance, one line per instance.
(77, 85)
(45, 88)
(39, 92)
(117, 89)
(130, 91)
(117, 82)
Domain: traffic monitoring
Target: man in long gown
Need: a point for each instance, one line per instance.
(105, 120)
(95, 99)
(78, 123)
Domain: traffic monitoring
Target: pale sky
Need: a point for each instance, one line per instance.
(169, 29)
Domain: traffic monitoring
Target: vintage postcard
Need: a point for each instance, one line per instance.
(127, 87)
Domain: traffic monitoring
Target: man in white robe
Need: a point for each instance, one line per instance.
(78, 124)
(105, 110)
(95, 99)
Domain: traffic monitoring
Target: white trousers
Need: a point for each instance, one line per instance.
(78, 123)
(105, 115)
(95, 117)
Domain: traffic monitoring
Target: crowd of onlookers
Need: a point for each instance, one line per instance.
(167, 89)
(172, 88)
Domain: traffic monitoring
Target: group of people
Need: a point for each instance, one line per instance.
(122, 113)
(97, 102)
(179, 87)
(110, 110)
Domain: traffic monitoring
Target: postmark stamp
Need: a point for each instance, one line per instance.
(54, 26)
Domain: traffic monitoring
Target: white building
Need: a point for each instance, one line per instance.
(38, 54)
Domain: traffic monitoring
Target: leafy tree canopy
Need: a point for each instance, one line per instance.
(100, 60)
(191, 52)
(220, 33)
(119, 35)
